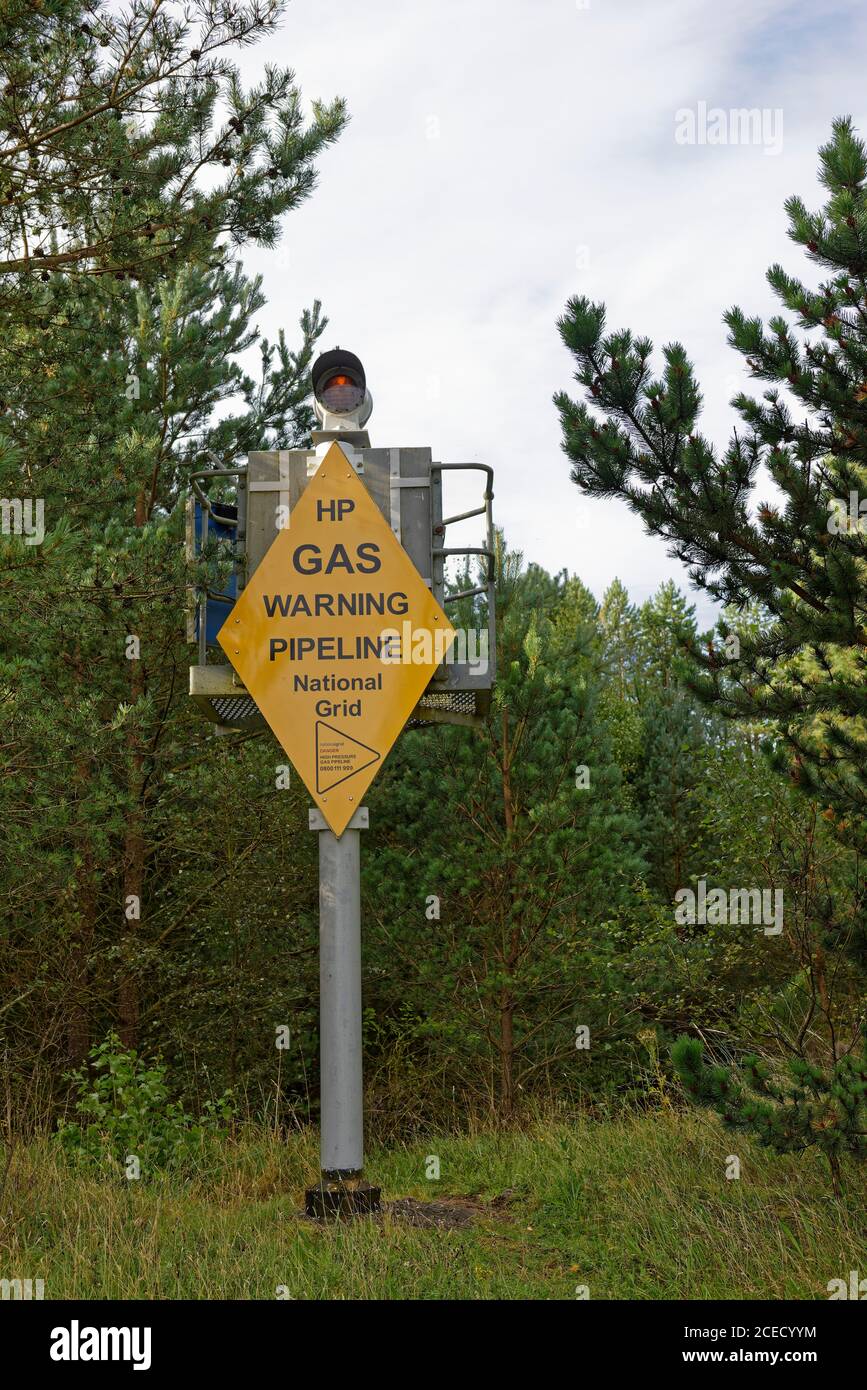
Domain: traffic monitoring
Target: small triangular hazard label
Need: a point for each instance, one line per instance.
(339, 756)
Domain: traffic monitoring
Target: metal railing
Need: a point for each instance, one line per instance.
(442, 552)
(204, 593)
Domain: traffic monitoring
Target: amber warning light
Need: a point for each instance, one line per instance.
(340, 388)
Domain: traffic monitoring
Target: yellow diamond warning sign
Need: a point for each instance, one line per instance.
(335, 637)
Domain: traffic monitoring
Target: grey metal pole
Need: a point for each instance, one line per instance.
(342, 1189)
(342, 1144)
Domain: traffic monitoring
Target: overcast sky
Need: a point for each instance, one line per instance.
(503, 155)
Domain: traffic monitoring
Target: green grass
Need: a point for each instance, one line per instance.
(636, 1208)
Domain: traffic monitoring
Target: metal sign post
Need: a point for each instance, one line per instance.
(342, 1189)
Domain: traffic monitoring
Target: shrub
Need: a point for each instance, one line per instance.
(811, 1107)
(125, 1113)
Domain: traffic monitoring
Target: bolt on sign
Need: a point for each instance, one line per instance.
(336, 637)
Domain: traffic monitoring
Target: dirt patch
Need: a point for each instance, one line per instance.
(452, 1213)
(449, 1213)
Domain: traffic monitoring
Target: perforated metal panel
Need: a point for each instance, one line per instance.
(451, 707)
(447, 707)
(237, 710)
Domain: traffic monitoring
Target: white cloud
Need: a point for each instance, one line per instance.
(490, 141)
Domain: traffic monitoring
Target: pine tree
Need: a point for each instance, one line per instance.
(798, 560)
(110, 396)
(637, 438)
(96, 739)
(673, 735)
(618, 704)
(510, 838)
(128, 144)
(811, 1107)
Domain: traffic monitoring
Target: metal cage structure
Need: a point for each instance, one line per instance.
(407, 486)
